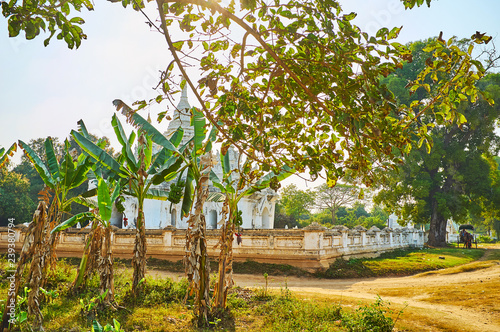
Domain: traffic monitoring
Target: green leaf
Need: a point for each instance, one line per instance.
(150, 130)
(125, 143)
(168, 171)
(198, 122)
(81, 217)
(188, 196)
(216, 197)
(104, 200)
(90, 203)
(100, 155)
(157, 194)
(83, 129)
(38, 164)
(265, 181)
(51, 158)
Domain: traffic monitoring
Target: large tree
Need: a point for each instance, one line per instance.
(332, 198)
(452, 180)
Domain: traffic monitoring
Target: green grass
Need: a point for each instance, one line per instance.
(401, 262)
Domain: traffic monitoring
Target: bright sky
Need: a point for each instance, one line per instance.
(44, 91)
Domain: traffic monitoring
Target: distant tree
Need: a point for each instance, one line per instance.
(15, 201)
(296, 202)
(332, 198)
(283, 220)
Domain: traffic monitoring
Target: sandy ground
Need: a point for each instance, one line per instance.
(473, 318)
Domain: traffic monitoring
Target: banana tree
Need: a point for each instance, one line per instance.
(196, 161)
(60, 175)
(107, 193)
(136, 175)
(243, 183)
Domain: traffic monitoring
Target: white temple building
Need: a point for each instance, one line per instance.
(257, 209)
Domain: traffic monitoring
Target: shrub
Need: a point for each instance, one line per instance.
(369, 318)
(485, 239)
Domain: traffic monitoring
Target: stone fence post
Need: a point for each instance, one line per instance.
(313, 236)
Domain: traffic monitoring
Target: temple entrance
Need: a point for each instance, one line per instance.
(265, 218)
(212, 220)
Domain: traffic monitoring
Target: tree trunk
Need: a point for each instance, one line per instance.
(225, 277)
(106, 269)
(90, 257)
(334, 216)
(197, 264)
(31, 244)
(437, 230)
(139, 259)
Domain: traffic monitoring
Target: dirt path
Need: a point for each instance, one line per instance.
(471, 317)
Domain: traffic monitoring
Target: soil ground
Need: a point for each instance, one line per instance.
(444, 315)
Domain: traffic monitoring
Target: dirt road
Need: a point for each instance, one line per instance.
(470, 317)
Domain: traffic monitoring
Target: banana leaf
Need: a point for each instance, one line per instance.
(157, 194)
(151, 131)
(101, 156)
(88, 202)
(4, 155)
(38, 164)
(198, 122)
(187, 199)
(168, 172)
(83, 129)
(148, 152)
(216, 197)
(81, 217)
(165, 154)
(124, 141)
(51, 158)
(104, 200)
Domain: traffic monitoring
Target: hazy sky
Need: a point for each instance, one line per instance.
(46, 90)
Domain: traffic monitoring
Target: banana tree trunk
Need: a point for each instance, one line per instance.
(42, 255)
(225, 273)
(31, 243)
(106, 269)
(90, 256)
(139, 259)
(197, 263)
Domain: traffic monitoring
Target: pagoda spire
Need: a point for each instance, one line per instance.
(182, 118)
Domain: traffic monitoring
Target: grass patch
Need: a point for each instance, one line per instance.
(251, 267)
(401, 263)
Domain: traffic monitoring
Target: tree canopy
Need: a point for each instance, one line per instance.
(287, 83)
(15, 201)
(452, 180)
(296, 202)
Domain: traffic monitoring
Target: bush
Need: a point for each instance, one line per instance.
(485, 239)
(369, 318)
